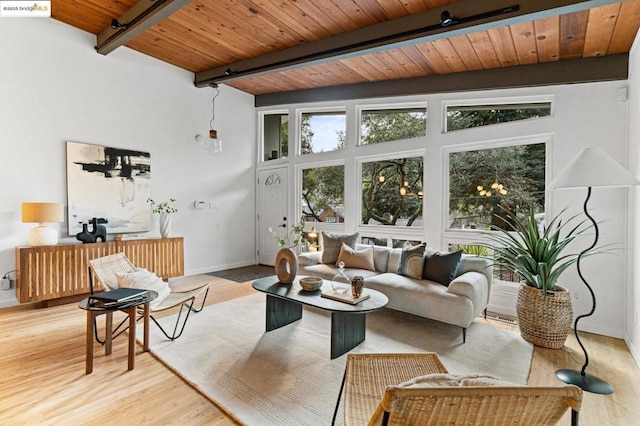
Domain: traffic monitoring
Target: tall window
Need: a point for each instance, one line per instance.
(322, 131)
(465, 117)
(275, 136)
(384, 125)
(392, 192)
(323, 194)
(485, 183)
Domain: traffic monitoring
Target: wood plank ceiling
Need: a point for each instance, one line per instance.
(207, 34)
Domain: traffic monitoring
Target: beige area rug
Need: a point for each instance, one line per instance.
(285, 377)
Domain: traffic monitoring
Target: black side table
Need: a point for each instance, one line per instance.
(131, 310)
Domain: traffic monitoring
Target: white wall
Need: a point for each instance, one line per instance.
(584, 115)
(54, 88)
(632, 331)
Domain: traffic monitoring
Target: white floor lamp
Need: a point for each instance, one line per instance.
(591, 167)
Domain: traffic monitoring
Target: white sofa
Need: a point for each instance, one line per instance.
(457, 304)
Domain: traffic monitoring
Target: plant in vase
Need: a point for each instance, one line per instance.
(539, 257)
(164, 209)
(286, 258)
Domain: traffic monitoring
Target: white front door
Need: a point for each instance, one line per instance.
(272, 212)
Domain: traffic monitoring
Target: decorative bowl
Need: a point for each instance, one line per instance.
(310, 283)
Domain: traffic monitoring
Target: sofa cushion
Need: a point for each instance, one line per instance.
(360, 259)
(309, 258)
(441, 267)
(380, 256)
(331, 244)
(411, 261)
(422, 297)
(394, 260)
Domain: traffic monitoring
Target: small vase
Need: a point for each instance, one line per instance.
(165, 225)
(357, 284)
(286, 265)
(341, 283)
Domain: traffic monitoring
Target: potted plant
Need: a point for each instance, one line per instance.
(164, 209)
(286, 258)
(539, 257)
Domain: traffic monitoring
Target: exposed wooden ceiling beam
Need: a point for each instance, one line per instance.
(587, 70)
(142, 16)
(471, 16)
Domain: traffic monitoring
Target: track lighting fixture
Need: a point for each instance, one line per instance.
(446, 19)
(115, 24)
(320, 51)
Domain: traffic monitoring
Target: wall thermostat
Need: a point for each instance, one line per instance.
(199, 205)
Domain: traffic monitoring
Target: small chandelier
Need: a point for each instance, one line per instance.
(404, 191)
(213, 145)
(496, 188)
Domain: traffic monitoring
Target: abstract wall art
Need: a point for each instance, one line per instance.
(110, 183)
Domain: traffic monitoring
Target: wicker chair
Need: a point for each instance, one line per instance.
(370, 397)
(105, 269)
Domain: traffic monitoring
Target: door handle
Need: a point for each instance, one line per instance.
(282, 226)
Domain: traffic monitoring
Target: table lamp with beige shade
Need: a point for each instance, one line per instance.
(43, 214)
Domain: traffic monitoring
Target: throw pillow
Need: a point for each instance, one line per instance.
(441, 267)
(146, 280)
(331, 244)
(447, 380)
(359, 259)
(411, 261)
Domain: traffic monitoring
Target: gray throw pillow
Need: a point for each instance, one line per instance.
(441, 267)
(411, 261)
(331, 244)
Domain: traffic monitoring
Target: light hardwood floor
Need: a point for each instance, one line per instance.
(42, 380)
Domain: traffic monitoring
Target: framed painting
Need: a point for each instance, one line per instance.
(109, 183)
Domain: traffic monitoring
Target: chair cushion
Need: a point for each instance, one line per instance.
(146, 280)
(331, 244)
(359, 259)
(411, 261)
(449, 380)
(441, 267)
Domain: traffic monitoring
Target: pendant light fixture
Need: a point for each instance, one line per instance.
(213, 145)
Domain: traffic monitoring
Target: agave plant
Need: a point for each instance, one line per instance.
(538, 257)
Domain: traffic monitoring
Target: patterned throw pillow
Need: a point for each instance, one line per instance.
(331, 244)
(411, 261)
(358, 259)
(441, 267)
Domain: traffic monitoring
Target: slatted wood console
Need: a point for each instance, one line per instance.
(52, 272)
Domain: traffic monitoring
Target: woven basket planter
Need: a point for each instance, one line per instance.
(544, 320)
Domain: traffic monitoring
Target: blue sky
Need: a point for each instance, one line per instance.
(325, 128)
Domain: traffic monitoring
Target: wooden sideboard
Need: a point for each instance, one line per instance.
(52, 272)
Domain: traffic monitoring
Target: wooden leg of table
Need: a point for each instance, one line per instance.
(132, 337)
(108, 339)
(347, 332)
(89, 343)
(281, 312)
(145, 346)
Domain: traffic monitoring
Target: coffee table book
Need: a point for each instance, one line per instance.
(344, 297)
(118, 296)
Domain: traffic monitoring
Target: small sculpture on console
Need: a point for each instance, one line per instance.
(99, 232)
